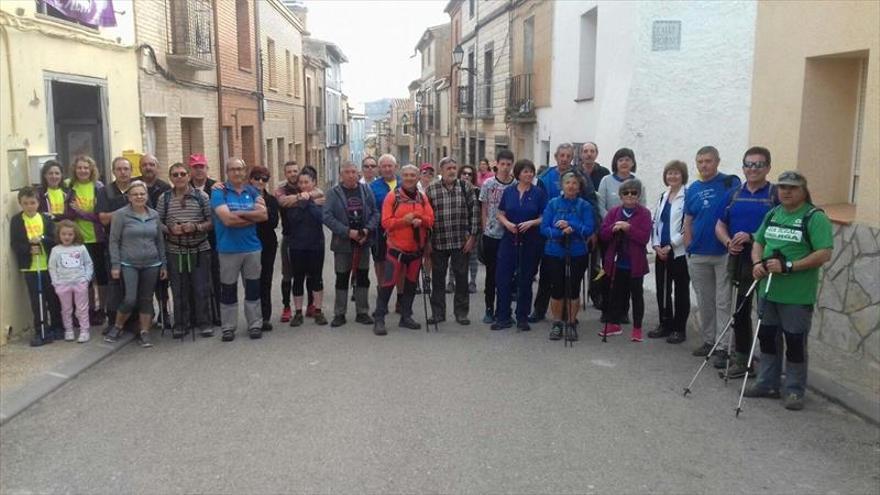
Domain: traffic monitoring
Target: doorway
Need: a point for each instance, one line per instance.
(78, 116)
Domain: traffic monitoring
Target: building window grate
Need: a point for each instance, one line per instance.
(666, 36)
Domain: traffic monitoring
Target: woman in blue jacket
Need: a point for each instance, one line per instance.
(566, 224)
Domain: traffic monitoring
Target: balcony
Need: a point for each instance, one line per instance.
(520, 102)
(191, 42)
(466, 100)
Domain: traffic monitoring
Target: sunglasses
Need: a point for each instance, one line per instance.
(261, 178)
(466, 174)
(178, 175)
(754, 165)
(370, 166)
(631, 192)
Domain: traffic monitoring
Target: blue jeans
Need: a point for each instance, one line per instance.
(521, 262)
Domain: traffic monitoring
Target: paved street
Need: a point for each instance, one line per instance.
(464, 410)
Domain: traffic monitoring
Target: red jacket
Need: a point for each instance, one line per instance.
(400, 234)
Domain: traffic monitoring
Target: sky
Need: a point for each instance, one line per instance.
(378, 38)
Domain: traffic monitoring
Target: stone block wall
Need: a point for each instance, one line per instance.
(848, 310)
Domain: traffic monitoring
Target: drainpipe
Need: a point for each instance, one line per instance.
(220, 167)
(261, 111)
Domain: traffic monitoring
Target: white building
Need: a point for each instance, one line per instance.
(662, 78)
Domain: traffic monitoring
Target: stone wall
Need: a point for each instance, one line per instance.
(848, 311)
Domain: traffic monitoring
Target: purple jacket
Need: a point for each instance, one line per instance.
(636, 240)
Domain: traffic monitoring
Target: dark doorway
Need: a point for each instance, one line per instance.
(78, 122)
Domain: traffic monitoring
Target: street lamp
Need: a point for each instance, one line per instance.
(458, 58)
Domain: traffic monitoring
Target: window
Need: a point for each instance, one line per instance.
(471, 8)
(248, 145)
(156, 141)
(666, 35)
(528, 45)
(587, 56)
(289, 73)
(272, 63)
(488, 66)
(243, 33)
(191, 136)
(296, 91)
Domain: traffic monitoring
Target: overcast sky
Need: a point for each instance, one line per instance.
(378, 38)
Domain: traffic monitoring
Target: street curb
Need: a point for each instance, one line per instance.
(28, 394)
(825, 385)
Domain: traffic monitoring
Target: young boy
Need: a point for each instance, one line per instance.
(32, 235)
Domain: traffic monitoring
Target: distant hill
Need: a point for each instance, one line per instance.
(375, 110)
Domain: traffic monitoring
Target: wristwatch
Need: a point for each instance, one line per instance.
(788, 266)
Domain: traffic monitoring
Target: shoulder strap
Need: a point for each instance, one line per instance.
(805, 222)
(728, 181)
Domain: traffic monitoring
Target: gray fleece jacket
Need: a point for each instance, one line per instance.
(136, 240)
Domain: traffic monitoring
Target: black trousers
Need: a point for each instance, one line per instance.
(673, 292)
(490, 255)
(51, 315)
(740, 269)
(267, 268)
(624, 289)
(542, 297)
(440, 263)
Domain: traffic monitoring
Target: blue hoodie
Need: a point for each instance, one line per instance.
(579, 215)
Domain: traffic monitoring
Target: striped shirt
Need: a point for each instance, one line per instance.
(191, 209)
(456, 214)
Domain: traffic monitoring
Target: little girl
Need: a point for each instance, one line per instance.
(70, 268)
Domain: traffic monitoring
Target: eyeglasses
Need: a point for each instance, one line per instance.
(261, 178)
(754, 165)
(630, 192)
(178, 175)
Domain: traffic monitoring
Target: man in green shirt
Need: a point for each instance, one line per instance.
(793, 242)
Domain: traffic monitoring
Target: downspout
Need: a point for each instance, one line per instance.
(220, 167)
(261, 113)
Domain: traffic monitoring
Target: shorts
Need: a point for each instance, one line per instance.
(555, 270)
(379, 247)
(792, 318)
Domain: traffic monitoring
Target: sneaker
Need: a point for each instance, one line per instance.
(556, 331)
(488, 318)
(69, 336)
(178, 332)
(760, 392)
(676, 338)
(228, 336)
(338, 321)
(379, 327)
(501, 325)
(407, 322)
(472, 288)
(364, 319)
(310, 309)
(660, 332)
(297, 319)
(112, 334)
(535, 318)
(145, 340)
(793, 402)
(37, 340)
(267, 327)
(285, 314)
(320, 319)
(523, 326)
(255, 333)
(83, 336)
(610, 330)
(207, 332)
(719, 359)
(636, 335)
(702, 351)
(736, 370)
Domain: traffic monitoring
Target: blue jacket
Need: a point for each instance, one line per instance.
(579, 215)
(380, 190)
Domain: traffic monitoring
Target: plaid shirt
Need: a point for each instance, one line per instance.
(456, 215)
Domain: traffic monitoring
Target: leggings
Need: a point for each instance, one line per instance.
(306, 267)
(139, 285)
(624, 288)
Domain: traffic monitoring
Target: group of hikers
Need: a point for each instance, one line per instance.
(91, 251)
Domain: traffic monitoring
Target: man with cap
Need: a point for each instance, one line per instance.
(198, 173)
(793, 242)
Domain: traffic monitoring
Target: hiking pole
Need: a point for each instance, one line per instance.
(607, 300)
(422, 276)
(568, 340)
(687, 389)
(40, 299)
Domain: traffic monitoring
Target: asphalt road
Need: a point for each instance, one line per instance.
(466, 410)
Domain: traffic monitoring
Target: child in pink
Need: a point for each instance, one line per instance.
(71, 269)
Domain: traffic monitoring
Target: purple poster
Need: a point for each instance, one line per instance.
(90, 12)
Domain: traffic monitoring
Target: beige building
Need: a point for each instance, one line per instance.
(816, 105)
(402, 130)
(528, 88)
(66, 88)
(431, 95)
(313, 80)
(178, 81)
(284, 131)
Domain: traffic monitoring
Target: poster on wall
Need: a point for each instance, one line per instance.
(17, 168)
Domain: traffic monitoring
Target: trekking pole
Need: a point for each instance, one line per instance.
(687, 389)
(40, 300)
(607, 300)
(568, 340)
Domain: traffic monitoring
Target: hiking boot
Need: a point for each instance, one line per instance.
(556, 331)
(255, 333)
(338, 321)
(523, 326)
(535, 318)
(407, 322)
(310, 309)
(83, 336)
(610, 330)
(37, 340)
(738, 367)
(489, 317)
(69, 336)
(462, 320)
(757, 392)
(144, 339)
(113, 333)
(379, 327)
(267, 327)
(228, 336)
(435, 320)
(719, 359)
(793, 402)
(285, 314)
(320, 319)
(297, 319)
(660, 332)
(676, 338)
(702, 351)
(501, 325)
(636, 335)
(364, 319)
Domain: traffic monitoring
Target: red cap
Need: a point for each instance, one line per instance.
(197, 159)
(426, 166)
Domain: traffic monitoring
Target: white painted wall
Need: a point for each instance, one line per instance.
(665, 104)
